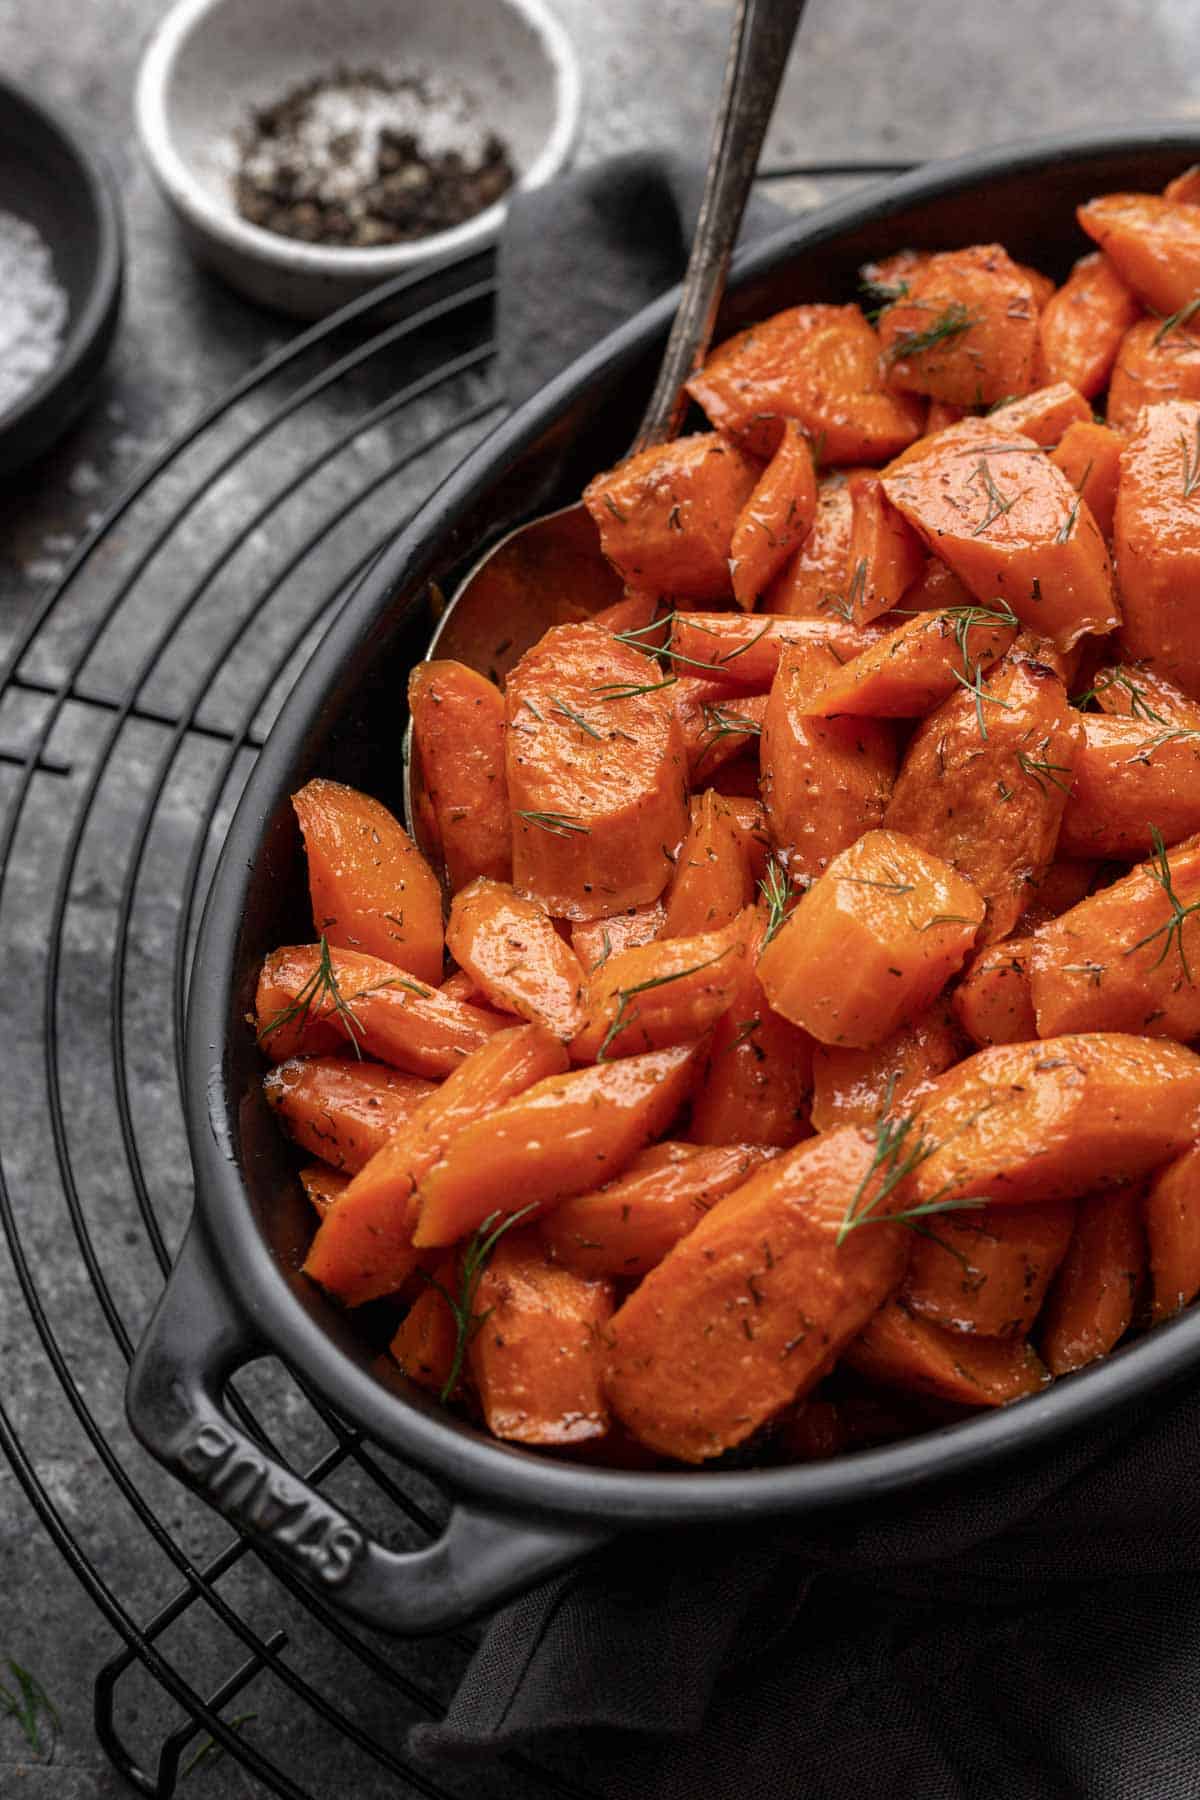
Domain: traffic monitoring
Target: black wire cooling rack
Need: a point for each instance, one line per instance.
(131, 710)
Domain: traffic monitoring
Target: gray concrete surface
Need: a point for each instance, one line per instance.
(917, 81)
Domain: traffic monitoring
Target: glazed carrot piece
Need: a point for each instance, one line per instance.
(812, 584)
(985, 782)
(595, 940)
(559, 1138)
(1156, 542)
(900, 1350)
(510, 948)
(1089, 455)
(364, 1248)
(596, 775)
(966, 329)
(824, 781)
(1128, 957)
(627, 1226)
(1151, 367)
(461, 986)
(776, 518)
(885, 555)
(1024, 1123)
(1130, 779)
(425, 1343)
(635, 613)
(1172, 1221)
(941, 413)
(756, 1083)
(1044, 415)
(1138, 691)
(664, 993)
(376, 1006)
(872, 942)
(987, 1271)
(1081, 326)
(1090, 1307)
(1154, 245)
(666, 516)
(818, 365)
(536, 1358)
(743, 649)
(1011, 527)
(751, 820)
(718, 731)
(342, 1111)
(751, 1309)
(908, 672)
(1066, 882)
(322, 1185)
(371, 888)
(857, 1087)
(458, 741)
(712, 880)
(1185, 187)
(994, 1000)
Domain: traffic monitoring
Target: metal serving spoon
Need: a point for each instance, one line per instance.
(521, 580)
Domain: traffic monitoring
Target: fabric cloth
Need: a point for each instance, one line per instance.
(1032, 1633)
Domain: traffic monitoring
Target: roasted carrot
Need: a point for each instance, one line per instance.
(987, 1271)
(536, 1359)
(627, 1226)
(1066, 882)
(364, 1247)
(1090, 1306)
(595, 940)
(994, 1000)
(751, 820)
(884, 556)
(1185, 187)
(1089, 455)
(908, 672)
(900, 1350)
(458, 741)
(1081, 326)
(666, 516)
(340, 1110)
(1129, 780)
(1151, 367)
(1138, 691)
(667, 992)
(638, 609)
(425, 1343)
(322, 1185)
(936, 589)
(857, 1087)
(1172, 1220)
(1024, 1123)
(749, 1310)
(371, 888)
(596, 775)
(718, 727)
(1011, 527)
(872, 941)
(712, 880)
(1156, 542)
(1044, 415)
(776, 518)
(743, 649)
(1154, 245)
(812, 584)
(965, 330)
(510, 948)
(561, 1137)
(818, 365)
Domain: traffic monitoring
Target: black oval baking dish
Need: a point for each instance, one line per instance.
(236, 1293)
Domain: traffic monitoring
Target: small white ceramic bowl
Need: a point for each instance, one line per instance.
(211, 63)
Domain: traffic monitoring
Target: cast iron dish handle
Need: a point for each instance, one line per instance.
(176, 1401)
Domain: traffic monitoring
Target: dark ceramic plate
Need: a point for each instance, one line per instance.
(236, 1292)
(49, 177)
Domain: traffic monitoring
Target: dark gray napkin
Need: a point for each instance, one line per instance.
(1029, 1634)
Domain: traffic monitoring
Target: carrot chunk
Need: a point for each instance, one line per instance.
(1138, 691)
(1156, 542)
(712, 880)
(1090, 1307)
(718, 723)
(664, 993)
(965, 330)
(1023, 1123)
(1172, 1220)
(812, 585)
(322, 1185)
(595, 940)
(884, 556)
(776, 518)
(1011, 527)
(1044, 415)
(750, 1309)
(1089, 455)
(371, 888)
(936, 589)
(559, 1138)
(1081, 326)
(342, 1111)
(857, 1087)
(743, 649)
(872, 941)
(596, 775)
(1154, 245)
(987, 1271)
(1127, 958)
(1151, 367)
(536, 1358)
(900, 1350)
(510, 948)
(1130, 779)
(627, 1226)
(427, 1339)
(666, 516)
(458, 740)
(818, 365)
(908, 672)
(364, 1247)
(985, 781)
(994, 1000)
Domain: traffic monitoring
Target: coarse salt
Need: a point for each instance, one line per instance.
(33, 310)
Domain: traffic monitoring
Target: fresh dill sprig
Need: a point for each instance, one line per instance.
(1139, 706)
(568, 712)
(732, 655)
(1041, 770)
(839, 604)
(1174, 320)
(720, 723)
(892, 885)
(951, 322)
(964, 619)
(1171, 736)
(31, 1706)
(1191, 463)
(210, 1751)
(944, 919)
(998, 503)
(322, 995)
(475, 1259)
(1171, 930)
(898, 1154)
(776, 890)
(1063, 536)
(624, 996)
(631, 690)
(884, 294)
(557, 824)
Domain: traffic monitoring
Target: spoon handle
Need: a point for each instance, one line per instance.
(762, 36)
